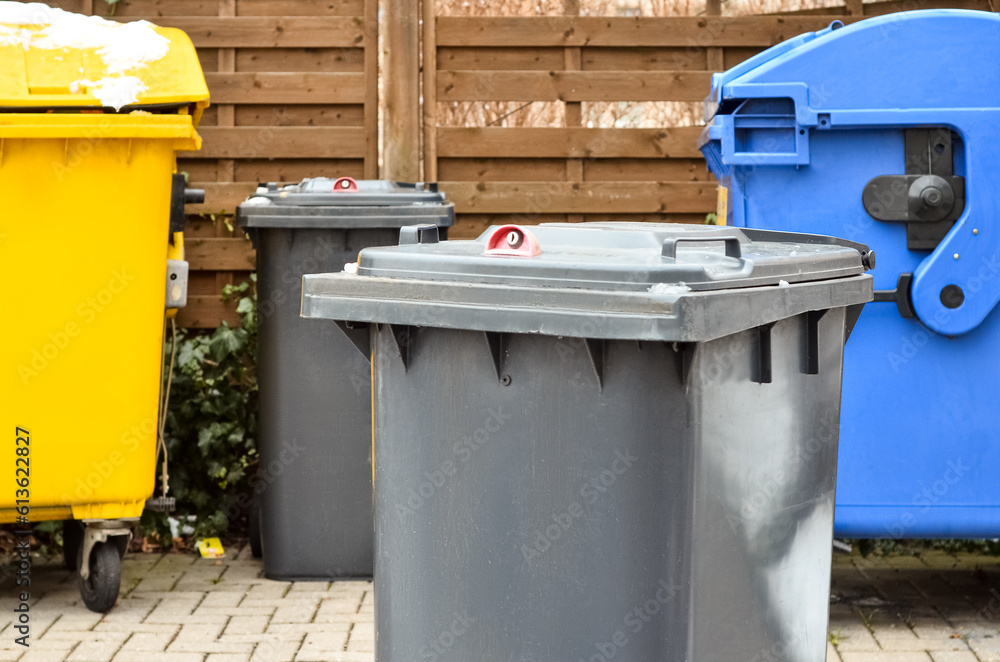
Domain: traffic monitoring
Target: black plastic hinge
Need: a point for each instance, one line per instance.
(181, 195)
(899, 296)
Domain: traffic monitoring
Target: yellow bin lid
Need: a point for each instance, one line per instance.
(50, 58)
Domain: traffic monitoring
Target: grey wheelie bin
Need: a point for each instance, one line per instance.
(602, 441)
(314, 490)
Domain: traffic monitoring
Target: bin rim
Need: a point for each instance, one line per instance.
(641, 281)
(644, 316)
(98, 126)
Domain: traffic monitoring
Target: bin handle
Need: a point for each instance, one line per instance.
(734, 247)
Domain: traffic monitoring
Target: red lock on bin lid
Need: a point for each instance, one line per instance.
(512, 241)
(345, 185)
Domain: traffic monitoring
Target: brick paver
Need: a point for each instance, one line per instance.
(179, 608)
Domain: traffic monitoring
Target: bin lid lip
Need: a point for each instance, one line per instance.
(320, 192)
(58, 59)
(662, 259)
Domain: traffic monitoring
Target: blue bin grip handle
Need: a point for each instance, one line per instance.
(734, 245)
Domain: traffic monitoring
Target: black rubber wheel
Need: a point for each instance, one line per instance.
(100, 590)
(254, 516)
(72, 541)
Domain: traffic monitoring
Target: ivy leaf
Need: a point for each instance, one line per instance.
(245, 306)
(225, 341)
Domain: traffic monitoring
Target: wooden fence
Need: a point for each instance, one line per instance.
(294, 91)
(294, 87)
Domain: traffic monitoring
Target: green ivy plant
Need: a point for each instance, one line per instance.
(211, 426)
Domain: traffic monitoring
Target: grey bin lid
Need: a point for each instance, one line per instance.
(321, 202)
(598, 280)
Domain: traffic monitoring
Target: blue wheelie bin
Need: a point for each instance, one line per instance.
(886, 132)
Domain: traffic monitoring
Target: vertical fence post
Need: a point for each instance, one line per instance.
(573, 61)
(401, 85)
(715, 57)
(371, 89)
(430, 91)
(225, 169)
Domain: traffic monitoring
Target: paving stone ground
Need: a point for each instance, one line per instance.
(180, 608)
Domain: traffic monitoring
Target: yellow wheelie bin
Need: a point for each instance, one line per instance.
(92, 114)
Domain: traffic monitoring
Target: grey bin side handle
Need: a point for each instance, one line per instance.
(422, 233)
(734, 246)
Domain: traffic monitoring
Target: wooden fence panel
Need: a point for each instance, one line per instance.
(503, 174)
(293, 88)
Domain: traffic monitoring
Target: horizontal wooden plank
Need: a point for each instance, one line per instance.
(202, 283)
(248, 142)
(883, 8)
(157, 8)
(598, 58)
(299, 7)
(267, 31)
(880, 8)
(203, 227)
(286, 87)
(198, 170)
(221, 197)
(207, 312)
(683, 31)
(299, 59)
(491, 170)
(66, 5)
(579, 198)
(219, 254)
(499, 59)
(300, 115)
(295, 170)
(470, 226)
(733, 56)
(643, 59)
(646, 170)
(572, 86)
(486, 142)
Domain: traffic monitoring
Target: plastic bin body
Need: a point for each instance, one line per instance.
(918, 456)
(315, 388)
(582, 477)
(84, 248)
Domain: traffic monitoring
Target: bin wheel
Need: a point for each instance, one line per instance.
(72, 540)
(254, 517)
(100, 590)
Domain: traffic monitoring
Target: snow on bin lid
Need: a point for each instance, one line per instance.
(53, 58)
(323, 202)
(645, 280)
